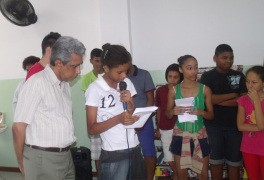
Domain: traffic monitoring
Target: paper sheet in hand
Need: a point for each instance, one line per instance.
(143, 114)
(186, 117)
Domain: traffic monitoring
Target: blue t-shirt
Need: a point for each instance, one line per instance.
(143, 83)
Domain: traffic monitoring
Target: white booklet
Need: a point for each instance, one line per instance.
(143, 114)
(186, 102)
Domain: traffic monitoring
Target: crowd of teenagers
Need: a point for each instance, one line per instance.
(228, 106)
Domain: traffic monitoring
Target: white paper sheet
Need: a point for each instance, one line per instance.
(143, 114)
(185, 102)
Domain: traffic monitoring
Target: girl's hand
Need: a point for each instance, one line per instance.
(128, 119)
(178, 110)
(125, 96)
(172, 91)
(197, 112)
(253, 95)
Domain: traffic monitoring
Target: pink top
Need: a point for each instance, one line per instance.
(37, 67)
(252, 142)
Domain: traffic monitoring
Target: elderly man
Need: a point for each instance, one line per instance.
(43, 129)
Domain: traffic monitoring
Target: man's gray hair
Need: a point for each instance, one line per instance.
(64, 47)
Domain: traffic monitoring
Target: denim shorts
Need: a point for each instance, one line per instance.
(176, 146)
(225, 144)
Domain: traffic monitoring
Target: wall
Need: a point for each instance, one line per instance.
(164, 30)
(114, 22)
(79, 19)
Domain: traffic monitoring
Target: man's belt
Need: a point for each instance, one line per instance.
(49, 149)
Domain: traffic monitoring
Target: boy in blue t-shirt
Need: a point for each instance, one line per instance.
(145, 97)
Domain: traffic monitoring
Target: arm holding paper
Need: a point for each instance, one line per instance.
(173, 109)
(180, 109)
(142, 114)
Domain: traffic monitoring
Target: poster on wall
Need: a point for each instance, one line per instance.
(201, 70)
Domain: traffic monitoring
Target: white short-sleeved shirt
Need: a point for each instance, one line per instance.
(45, 104)
(100, 94)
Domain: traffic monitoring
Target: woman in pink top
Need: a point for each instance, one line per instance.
(250, 120)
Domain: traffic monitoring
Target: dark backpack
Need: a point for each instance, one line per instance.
(82, 161)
